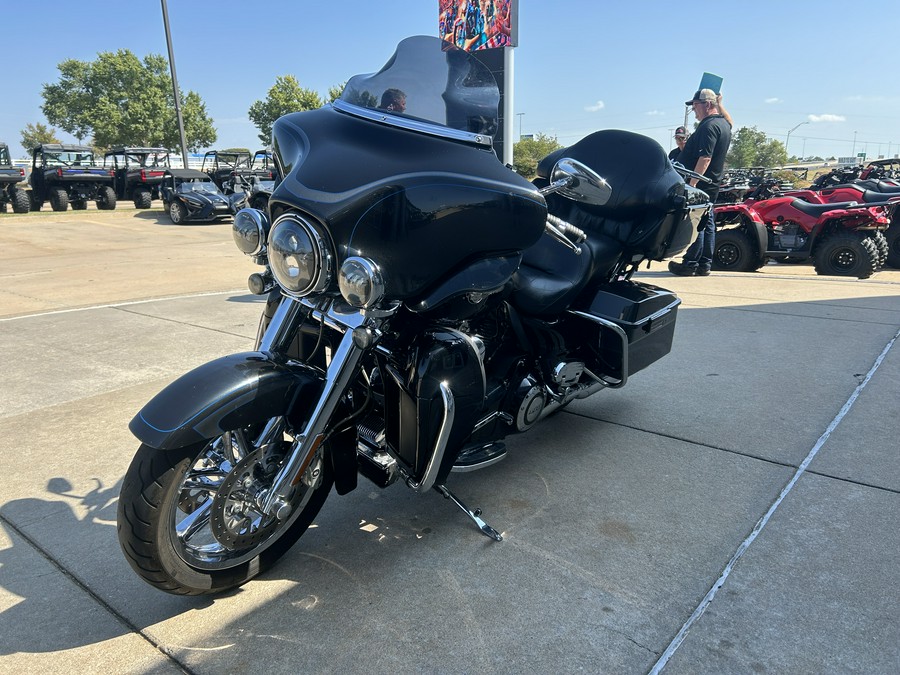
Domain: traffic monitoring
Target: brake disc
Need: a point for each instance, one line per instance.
(236, 519)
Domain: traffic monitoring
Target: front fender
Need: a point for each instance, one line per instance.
(750, 220)
(228, 393)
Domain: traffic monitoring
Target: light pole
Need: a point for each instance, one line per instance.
(520, 116)
(184, 157)
(788, 139)
(853, 151)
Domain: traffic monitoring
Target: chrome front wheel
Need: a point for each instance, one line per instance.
(191, 520)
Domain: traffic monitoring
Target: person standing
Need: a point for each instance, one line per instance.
(680, 139)
(704, 153)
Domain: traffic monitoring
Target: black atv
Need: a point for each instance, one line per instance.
(138, 173)
(10, 177)
(64, 174)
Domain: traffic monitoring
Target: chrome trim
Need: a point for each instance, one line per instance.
(324, 272)
(280, 331)
(340, 371)
(482, 423)
(663, 311)
(408, 124)
(474, 347)
(440, 445)
(617, 329)
(373, 273)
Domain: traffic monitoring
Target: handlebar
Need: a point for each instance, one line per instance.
(565, 233)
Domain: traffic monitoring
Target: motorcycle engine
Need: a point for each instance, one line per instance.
(788, 236)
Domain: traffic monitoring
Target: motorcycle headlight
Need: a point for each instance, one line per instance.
(360, 282)
(249, 230)
(299, 255)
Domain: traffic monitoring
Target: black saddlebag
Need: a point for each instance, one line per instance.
(633, 324)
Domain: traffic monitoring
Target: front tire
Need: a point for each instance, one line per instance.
(106, 201)
(893, 239)
(846, 254)
(142, 199)
(735, 252)
(177, 212)
(20, 201)
(881, 246)
(189, 521)
(59, 199)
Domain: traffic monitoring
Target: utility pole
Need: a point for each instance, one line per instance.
(165, 13)
(520, 116)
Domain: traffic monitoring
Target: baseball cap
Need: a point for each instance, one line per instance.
(680, 131)
(704, 96)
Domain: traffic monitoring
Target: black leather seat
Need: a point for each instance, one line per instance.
(818, 209)
(550, 277)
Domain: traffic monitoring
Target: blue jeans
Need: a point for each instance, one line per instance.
(700, 253)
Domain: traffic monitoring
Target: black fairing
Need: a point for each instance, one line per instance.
(225, 394)
(420, 206)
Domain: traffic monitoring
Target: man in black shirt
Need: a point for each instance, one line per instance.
(704, 153)
(680, 140)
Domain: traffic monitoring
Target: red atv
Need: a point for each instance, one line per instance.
(864, 191)
(841, 239)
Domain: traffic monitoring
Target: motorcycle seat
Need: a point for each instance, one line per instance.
(551, 276)
(818, 209)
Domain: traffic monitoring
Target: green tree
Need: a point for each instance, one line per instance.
(751, 147)
(34, 135)
(335, 91)
(120, 100)
(285, 96)
(529, 151)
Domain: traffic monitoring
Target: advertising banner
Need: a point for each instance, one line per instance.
(479, 24)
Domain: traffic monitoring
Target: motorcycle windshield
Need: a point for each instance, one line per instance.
(429, 82)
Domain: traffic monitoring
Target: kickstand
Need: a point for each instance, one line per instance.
(486, 529)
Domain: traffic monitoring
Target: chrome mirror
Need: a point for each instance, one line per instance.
(578, 182)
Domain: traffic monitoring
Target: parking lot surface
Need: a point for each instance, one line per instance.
(733, 509)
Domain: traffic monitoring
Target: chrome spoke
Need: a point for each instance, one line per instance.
(194, 522)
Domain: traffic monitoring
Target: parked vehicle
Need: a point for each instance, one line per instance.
(839, 238)
(64, 174)
(225, 167)
(138, 173)
(10, 177)
(420, 308)
(191, 195)
(258, 192)
(864, 191)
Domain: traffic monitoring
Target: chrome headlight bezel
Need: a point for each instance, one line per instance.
(295, 243)
(250, 230)
(361, 282)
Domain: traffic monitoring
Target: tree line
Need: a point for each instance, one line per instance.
(119, 99)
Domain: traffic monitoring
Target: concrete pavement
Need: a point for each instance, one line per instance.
(733, 509)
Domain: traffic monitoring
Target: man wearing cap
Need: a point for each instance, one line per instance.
(680, 138)
(704, 153)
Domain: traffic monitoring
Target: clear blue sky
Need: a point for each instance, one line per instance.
(581, 65)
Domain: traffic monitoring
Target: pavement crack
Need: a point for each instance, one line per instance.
(179, 322)
(121, 618)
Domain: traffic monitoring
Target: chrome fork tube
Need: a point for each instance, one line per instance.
(342, 368)
(280, 332)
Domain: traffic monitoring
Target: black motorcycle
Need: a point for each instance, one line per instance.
(424, 302)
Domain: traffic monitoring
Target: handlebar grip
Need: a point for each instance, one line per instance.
(577, 235)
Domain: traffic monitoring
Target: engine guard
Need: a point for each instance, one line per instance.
(226, 394)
